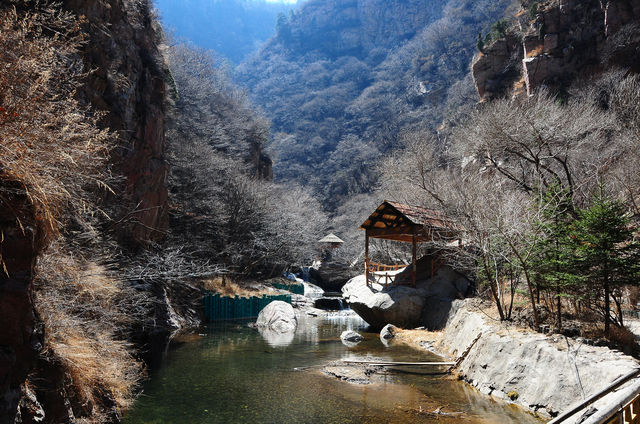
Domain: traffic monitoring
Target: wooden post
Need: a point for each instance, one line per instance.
(413, 261)
(366, 256)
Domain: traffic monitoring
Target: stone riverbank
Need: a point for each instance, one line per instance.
(544, 373)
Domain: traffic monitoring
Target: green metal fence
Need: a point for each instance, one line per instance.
(219, 308)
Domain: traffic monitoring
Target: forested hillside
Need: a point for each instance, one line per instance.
(344, 81)
(233, 28)
(225, 208)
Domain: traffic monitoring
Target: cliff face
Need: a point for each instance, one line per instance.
(561, 41)
(128, 84)
(19, 341)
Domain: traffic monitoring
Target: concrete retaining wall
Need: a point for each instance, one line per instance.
(538, 371)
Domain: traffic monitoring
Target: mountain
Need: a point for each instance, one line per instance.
(343, 82)
(233, 28)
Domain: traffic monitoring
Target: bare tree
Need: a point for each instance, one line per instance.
(539, 142)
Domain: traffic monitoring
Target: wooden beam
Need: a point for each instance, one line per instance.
(414, 260)
(366, 257)
(405, 230)
(404, 238)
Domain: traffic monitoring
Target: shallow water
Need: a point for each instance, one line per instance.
(230, 373)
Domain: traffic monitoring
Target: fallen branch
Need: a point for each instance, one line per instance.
(391, 363)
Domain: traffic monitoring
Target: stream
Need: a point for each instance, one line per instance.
(229, 373)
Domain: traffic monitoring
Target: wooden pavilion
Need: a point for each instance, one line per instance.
(409, 224)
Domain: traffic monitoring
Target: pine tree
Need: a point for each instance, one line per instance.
(606, 254)
(553, 261)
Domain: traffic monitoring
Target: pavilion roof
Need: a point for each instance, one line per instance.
(400, 222)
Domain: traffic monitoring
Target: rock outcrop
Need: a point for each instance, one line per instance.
(495, 69)
(407, 307)
(20, 342)
(332, 275)
(125, 81)
(561, 41)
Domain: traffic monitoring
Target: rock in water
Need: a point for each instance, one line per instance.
(351, 336)
(388, 332)
(399, 305)
(427, 304)
(278, 316)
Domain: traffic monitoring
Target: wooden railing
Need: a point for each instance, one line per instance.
(376, 267)
(629, 414)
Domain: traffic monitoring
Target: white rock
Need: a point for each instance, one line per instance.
(351, 336)
(278, 316)
(312, 291)
(388, 332)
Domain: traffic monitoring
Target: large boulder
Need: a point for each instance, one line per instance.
(279, 317)
(427, 304)
(332, 275)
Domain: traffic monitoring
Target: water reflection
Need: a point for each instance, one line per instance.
(231, 374)
(275, 338)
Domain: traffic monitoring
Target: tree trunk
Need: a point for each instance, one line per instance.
(536, 318)
(494, 289)
(559, 303)
(607, 300)
(618, 302)
(607, 307)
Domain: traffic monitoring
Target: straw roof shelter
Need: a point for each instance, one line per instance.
(331, 238)
(409, 224)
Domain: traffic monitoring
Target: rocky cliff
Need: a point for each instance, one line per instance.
(125, 85)
(128, 84)
(545, 373)
(555, 42)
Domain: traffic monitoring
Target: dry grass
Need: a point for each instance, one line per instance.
(226, 286)
(415, 338)
(48, 141)
(52, 150)
(84, 311)
(536, 52)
